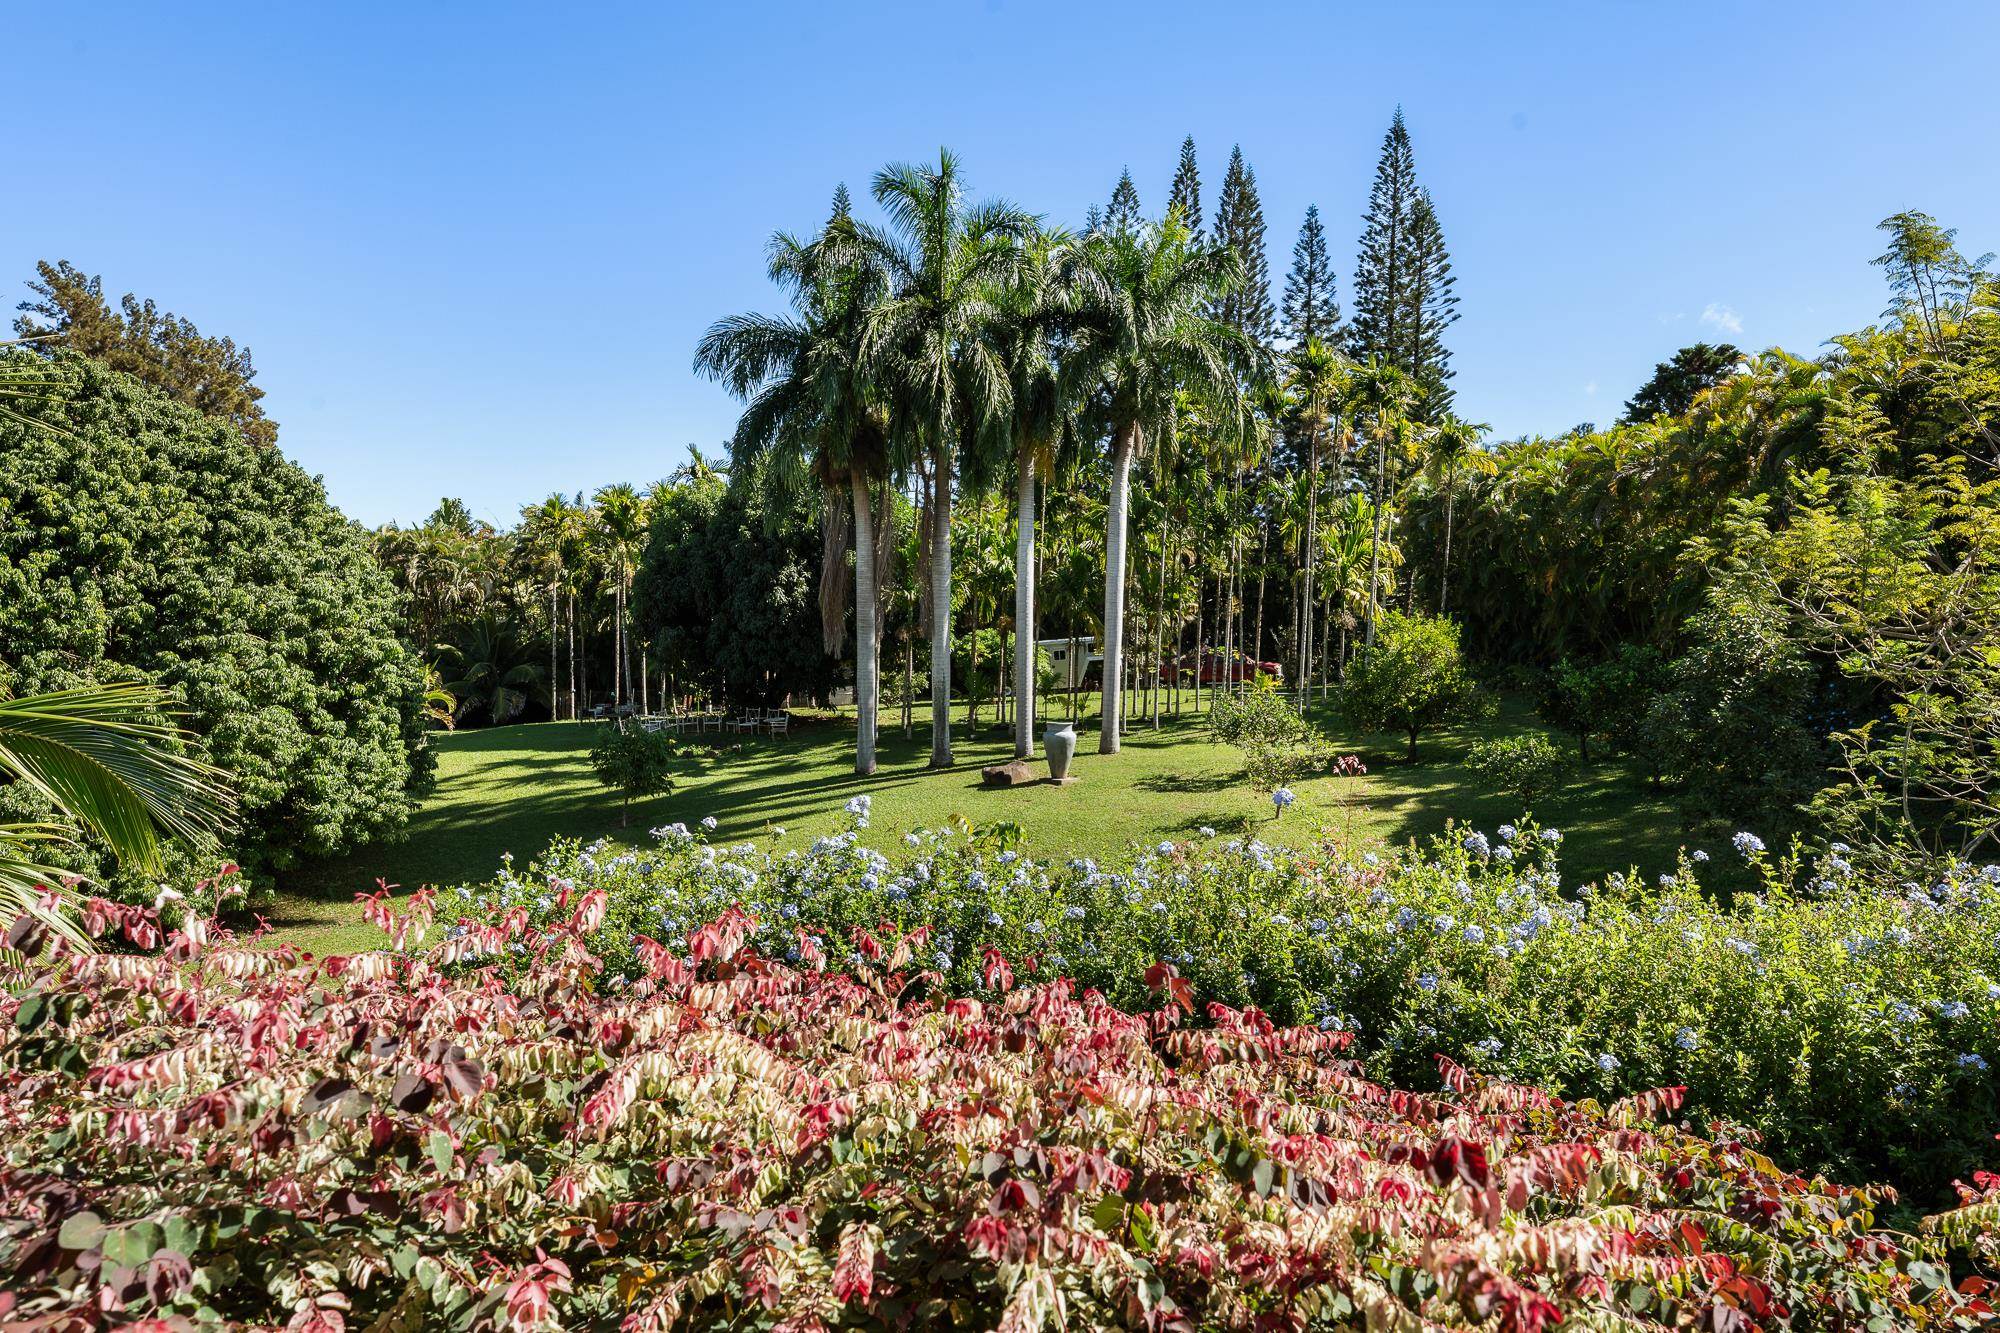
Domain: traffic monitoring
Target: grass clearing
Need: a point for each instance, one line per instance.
(511, 789)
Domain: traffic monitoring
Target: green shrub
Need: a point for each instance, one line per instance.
(152, 542)
(1528, 767)
(1850, 1022)
(633, 762)
(1608, 700)
(1412, 679)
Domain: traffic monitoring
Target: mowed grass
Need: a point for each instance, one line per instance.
(512, 789)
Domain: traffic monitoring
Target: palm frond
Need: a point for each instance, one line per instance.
(94, 753)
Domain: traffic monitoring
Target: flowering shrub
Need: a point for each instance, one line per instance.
(1853, 1024)
(398, 1141)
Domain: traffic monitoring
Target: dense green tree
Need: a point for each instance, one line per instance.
(1239, 227)
(1184, 195)
(1734, 728)
(1311, 309)
(212, 375)
(149, 542)
(725, 589)
(1675, 383)
(1411, 679)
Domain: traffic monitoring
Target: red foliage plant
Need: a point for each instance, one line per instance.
(410, 1140)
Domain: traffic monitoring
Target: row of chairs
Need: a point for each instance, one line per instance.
(771, 721)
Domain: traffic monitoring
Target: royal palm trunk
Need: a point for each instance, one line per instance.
(866, 639)
(1114, 587)
(1024, 610)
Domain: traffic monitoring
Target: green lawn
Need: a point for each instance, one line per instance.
(511, 789)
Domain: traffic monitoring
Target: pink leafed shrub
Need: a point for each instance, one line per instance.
(404, 1141)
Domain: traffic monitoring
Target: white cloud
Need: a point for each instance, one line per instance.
(1590, 388)
(1720, 316)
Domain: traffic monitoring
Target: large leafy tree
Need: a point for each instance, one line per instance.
(930, 348)
(147, 541)
(212, 375)
(814, 410)
(725, 587)
(1311, 309)
(1153, 337)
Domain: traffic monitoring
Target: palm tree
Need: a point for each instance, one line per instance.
(496, 675)
(1316, 377)
(1150, 338)
(1455, 453)
(96, 754)
(543, 533)
(621, 527)
(813, 408)
(931, 343)
(1036, 310)
(1382, 397)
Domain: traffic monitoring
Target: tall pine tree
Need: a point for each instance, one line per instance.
(1433, 308)
(1185, 193)
(1123, 215)
(1381, 270)
(1239, 224)
(1310, 309)
(1403, 298)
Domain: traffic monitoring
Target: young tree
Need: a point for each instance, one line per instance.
(633, 762)
(1310, 309)
(1410, 679)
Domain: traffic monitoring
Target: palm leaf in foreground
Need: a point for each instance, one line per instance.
(95, 754)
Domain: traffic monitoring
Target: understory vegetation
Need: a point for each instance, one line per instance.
(720, 1139)
(1852, 1024)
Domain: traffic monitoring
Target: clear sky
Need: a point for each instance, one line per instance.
(472, 246)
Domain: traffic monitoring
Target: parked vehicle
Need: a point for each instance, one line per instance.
(1220, 667)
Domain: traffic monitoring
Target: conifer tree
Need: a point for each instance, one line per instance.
(1433, 308)
(1239, 224)
(1123, 215)
(1310, 308)
(1185, 193)
(1382, 281)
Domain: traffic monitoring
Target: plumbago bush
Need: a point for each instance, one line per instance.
(1854, 1025)
(408, 1140)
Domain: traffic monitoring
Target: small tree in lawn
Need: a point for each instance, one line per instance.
(1410, 679)
(635, 762)
(1609, 699)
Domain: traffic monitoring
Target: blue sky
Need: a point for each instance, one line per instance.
(472, 247)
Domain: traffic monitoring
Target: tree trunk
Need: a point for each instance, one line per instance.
(1159, 681)
(572, 656)
(1444, 578)
(1312, 544)
(866, 651)
(1024, 610)
(1114, 586)
(940, 610)
(555, 620)
(1375, 541)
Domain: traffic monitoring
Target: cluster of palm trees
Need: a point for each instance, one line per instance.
(479, 599)
(960, 346)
